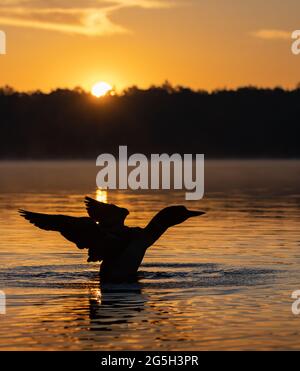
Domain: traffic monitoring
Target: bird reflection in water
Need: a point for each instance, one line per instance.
(115, 304)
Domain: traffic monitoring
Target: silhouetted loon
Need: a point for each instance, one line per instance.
(120, 248)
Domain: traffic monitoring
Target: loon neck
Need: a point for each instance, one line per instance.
(156, 228)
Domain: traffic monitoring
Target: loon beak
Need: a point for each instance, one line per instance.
(192, 213)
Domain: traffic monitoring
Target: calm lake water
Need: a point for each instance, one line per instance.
(222, 281)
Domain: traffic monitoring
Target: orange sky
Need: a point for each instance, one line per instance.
(204, 44)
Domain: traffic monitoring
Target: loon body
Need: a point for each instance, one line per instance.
(120, 248)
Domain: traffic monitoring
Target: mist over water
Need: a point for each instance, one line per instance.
(222, 281)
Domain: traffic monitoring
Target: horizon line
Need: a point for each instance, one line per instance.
(165, 86)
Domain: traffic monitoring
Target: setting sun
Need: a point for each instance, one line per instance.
(101, 88)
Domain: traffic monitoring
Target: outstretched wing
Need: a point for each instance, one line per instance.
(84, 232)
(107, 215)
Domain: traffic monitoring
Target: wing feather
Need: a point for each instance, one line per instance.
(108, 215)
(84, 232)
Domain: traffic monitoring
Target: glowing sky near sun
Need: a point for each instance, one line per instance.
(200, 43)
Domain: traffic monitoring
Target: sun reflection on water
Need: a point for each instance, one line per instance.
(101, 195)
(96, 295)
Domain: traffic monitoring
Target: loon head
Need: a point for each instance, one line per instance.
(174, 215)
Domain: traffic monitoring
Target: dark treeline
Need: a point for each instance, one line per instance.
(247, 122)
